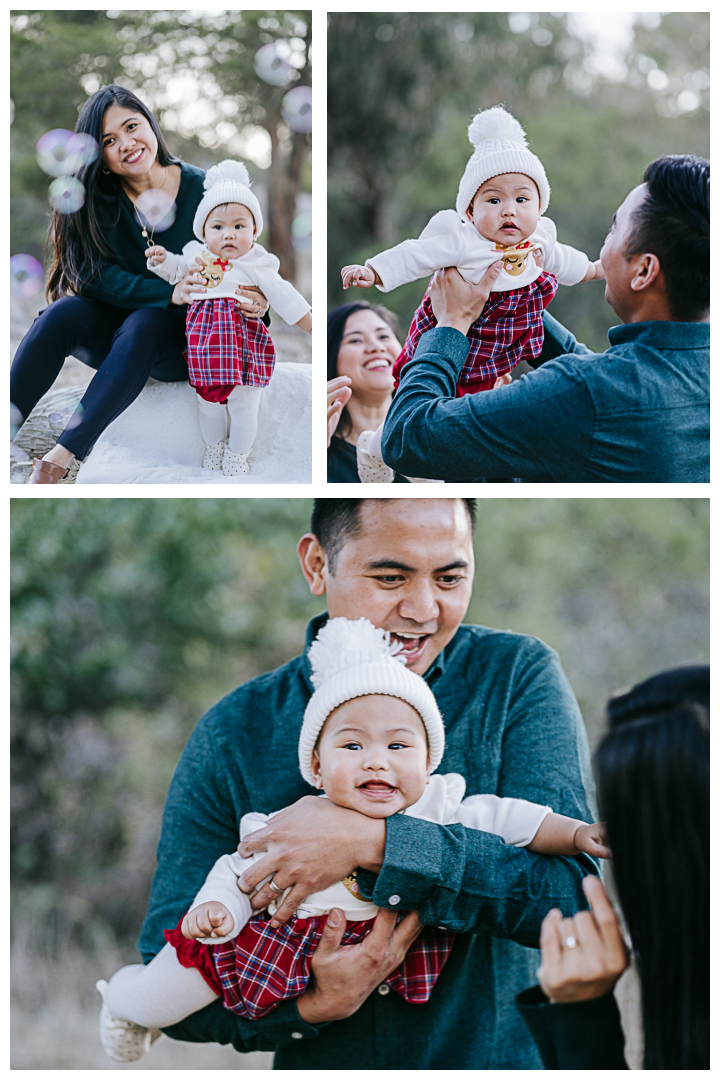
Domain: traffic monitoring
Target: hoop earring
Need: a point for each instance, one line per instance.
(106, 170)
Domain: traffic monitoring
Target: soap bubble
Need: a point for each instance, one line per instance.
(301, 230)
(271, 67)
(297, 109)
(16, 420)
(156, 209)
(66, 194)
(61, 152)
(66, 404)
(26, 275)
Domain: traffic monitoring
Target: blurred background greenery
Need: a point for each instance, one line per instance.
(599, 95)
(198, 71)
(130, 617)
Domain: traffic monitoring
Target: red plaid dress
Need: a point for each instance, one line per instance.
(509, 330)
(226, 349)
(262, 967)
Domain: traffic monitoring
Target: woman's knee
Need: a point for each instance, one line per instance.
(62, 315)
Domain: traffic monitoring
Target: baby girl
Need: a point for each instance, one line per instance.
(230, 357)
(372, 736)
(501, 201)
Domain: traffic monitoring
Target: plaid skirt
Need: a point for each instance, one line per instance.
(226, 348)
(509, 330)
(262, 967)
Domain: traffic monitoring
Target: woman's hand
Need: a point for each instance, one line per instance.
(457, 303)
(591, 967)
(342, 977)
(311, 845)
(253, 302)
(338, 395)
(192, 282)
(210, 920)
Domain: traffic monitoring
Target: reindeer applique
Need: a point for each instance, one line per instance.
(213, 269)
(515, 258)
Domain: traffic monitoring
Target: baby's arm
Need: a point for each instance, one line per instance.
(559, 835)
(170, 267)
(220, 892)
(441, 243)
(595, 271)
(305, 323)
(526, 824)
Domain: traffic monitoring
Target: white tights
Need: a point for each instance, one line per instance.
(158, 994)
(239, 419)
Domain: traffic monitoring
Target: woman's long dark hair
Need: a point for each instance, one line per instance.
(78, 240)
(653, 775)
(336, 321)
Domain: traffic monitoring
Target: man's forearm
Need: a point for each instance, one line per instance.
(217, 1024)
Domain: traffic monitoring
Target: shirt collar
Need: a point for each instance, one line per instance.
(663, 334)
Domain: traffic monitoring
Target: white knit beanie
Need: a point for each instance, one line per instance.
(228, 182)
(500, 147)
(351, 658)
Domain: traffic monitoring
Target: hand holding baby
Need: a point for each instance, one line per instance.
(210, 920)
(156, 254)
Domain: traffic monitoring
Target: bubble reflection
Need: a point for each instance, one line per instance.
(271, 67)
(66, 194)
(59, 419)
(61, 152)
(297, 109)
(156, 209)
(26, 275)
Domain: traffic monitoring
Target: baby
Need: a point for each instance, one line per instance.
(230, 357)
(372, 736)
(501, 199)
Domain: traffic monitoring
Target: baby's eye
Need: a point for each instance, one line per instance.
(521, 198)
(398, 746)
(351, 746)
(493, 199)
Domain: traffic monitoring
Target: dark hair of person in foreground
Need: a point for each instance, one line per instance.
(653, 777)
(336, 321)
(673, 222)
(336, 520)
(78, 239)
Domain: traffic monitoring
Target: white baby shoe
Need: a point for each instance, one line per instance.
(214, 453)
(235, 464)
(122, 1040)
(371, 469)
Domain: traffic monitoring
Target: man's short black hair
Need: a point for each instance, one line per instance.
(336, 520)
(673, 222)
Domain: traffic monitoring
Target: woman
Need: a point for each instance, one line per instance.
(653, 780)
(362, 348)
(106, 307)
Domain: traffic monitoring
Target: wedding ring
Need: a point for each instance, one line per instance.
(276, 888)
(570, 942)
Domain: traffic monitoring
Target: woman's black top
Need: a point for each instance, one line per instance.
(579, 1035)
(342, 463)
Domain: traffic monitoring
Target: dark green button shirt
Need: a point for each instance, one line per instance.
(638, 413)
(126, 282)
(513, 728)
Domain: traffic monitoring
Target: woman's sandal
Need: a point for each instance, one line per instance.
(45, 472)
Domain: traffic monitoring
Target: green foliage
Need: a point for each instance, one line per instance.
(402, 88)
(130, 617)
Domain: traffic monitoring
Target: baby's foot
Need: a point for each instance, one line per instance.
(235, 464)
(371, 469)
(122, 1040)
(214, 453)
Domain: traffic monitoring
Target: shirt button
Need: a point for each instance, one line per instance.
(297, 1035)
(383, 989)
(394, 899)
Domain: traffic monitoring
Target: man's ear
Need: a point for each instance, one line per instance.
(647, 269)
(315, 766)
(313, 561)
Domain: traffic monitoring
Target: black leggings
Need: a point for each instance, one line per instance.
(125, 348)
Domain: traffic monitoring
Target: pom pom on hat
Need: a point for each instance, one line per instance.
(500, 147)
(227, 182)
(353, 658)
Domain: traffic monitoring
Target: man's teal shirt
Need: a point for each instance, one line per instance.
(512, 728)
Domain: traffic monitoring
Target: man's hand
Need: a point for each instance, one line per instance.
(457, 303)
(591, 967)
(313, 844)
(363, 277)
(211, 920)
(342, 977)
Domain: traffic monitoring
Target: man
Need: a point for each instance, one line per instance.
(512, 728)
(638, 413)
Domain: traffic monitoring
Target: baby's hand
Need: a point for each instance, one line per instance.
(207, 920)
(363, 277)
(539, 257)
(593, 841)
(595, 272)
(156, 254)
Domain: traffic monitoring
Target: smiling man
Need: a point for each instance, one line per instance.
(637, 413)
(512, 729)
